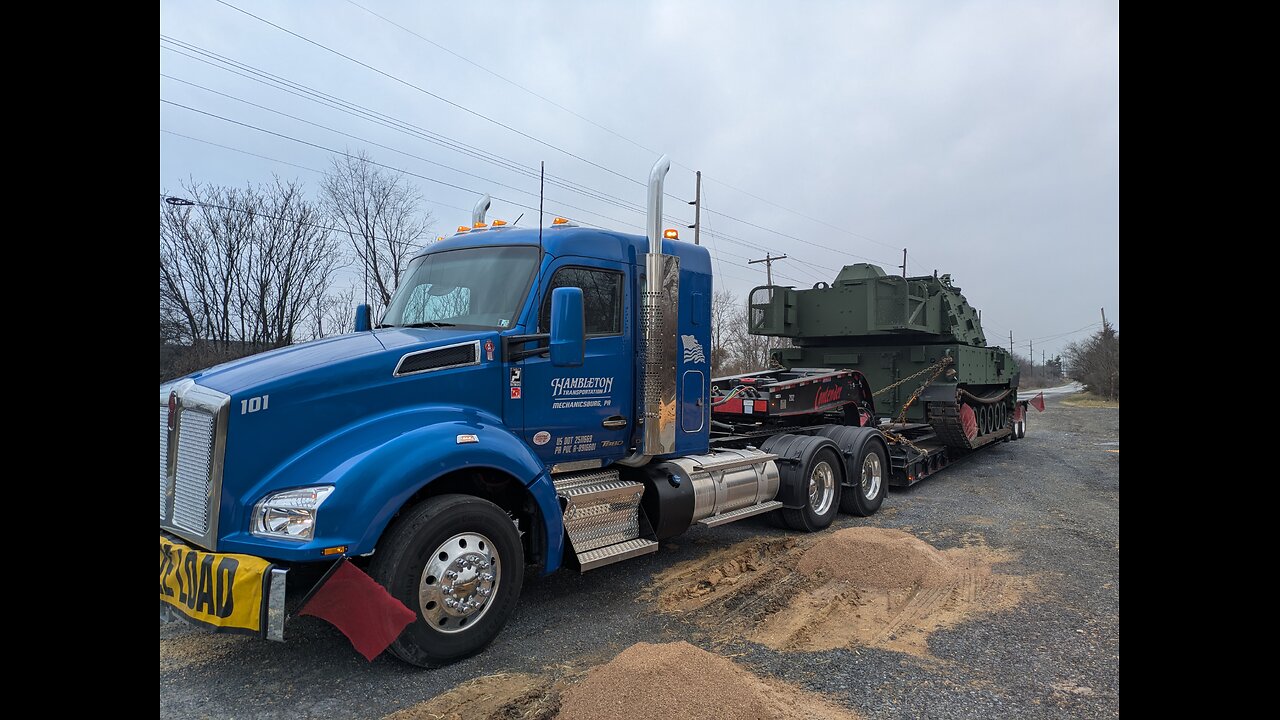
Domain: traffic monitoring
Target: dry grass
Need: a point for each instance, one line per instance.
(1090, 400)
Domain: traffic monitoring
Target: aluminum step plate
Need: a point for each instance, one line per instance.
(593, 559)
(746, 512)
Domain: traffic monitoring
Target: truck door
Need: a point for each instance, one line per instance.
(584, 413)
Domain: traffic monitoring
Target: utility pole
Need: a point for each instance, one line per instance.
(904, 264)
(1104, 316)
(697, 208)
(768, 260)
(1031, 351)
(1010, 342)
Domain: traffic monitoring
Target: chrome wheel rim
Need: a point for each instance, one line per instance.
(872, 476)
(822, 487)
(459, 582)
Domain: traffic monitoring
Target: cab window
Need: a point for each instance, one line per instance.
(601, 298)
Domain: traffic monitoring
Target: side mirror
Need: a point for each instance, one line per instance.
(568, 327)
(362, 318)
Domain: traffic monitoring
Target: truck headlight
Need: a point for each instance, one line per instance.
(290, 514)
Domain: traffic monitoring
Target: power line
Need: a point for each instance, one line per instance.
(523, 134)
(501, 162)
(242, 152)
(375, 144)
(163, 196)
(369, 115)
(619, 135)
(387, 167)
(1090, 326)
(407, 172)
(503, 78)
(349, 155)
(424, 91)
(283, 162)
(181, 201)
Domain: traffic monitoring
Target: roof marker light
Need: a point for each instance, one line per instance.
(499, 223)
(560, 221)
(671, 234)
(478, 225)
(463, 228)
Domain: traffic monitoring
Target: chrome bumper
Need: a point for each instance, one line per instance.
(273, 621)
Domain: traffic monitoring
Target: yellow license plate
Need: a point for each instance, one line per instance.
(220, 591)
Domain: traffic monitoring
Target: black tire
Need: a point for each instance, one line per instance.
(821, 508)
(865, 494)
(430, 533)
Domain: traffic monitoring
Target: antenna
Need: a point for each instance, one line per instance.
(542, 185)
(697, 210)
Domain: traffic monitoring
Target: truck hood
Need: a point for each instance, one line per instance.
(255, 370)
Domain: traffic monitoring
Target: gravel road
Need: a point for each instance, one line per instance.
(1050, 502)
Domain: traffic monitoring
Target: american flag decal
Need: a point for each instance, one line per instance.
(692, 349)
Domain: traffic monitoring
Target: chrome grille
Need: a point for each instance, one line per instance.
(164, 456)
(191, 460)
(193, 480)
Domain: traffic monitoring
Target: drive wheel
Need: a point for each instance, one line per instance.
(457, 562)
(869, 481)
(823, 477)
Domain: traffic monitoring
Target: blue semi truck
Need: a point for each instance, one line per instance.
(531, 399)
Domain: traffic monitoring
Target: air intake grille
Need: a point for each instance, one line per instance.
(193, 482)
(164, 456)
(440, 358)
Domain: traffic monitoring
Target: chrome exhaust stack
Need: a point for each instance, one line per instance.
(659, 301)
(481, 208)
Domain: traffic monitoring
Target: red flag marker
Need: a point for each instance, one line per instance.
(362, 609)
(1037, 402)
(968, 422)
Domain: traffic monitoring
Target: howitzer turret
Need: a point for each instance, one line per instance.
(902, 334)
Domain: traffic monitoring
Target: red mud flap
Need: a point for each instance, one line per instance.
(362, 609)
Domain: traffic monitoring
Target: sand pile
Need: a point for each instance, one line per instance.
(860, 586)
(876, 558)
(677, 680)
(492, 697)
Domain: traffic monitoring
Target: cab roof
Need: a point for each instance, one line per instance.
(579, 241)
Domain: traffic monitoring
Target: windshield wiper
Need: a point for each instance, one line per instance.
(428, 323)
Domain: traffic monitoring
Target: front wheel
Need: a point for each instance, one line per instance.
(457, 562)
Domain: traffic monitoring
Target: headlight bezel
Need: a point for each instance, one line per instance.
(293, 513)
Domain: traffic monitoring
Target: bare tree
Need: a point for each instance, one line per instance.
(202, 249)
(1096, 361)
(334, 314)
(239, 269)
(723, 306)
(380, 212)
(291, 261)
(734, 349)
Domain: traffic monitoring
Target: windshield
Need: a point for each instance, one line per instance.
(480, 287)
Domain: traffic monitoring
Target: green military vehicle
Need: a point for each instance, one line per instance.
(938, 388)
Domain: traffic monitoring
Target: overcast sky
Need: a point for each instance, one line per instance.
(984, 137)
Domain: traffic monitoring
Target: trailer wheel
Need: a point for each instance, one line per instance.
(456, 561)
(869, 479)
(822, 473)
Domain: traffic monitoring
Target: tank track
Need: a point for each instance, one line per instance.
(945, 420)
